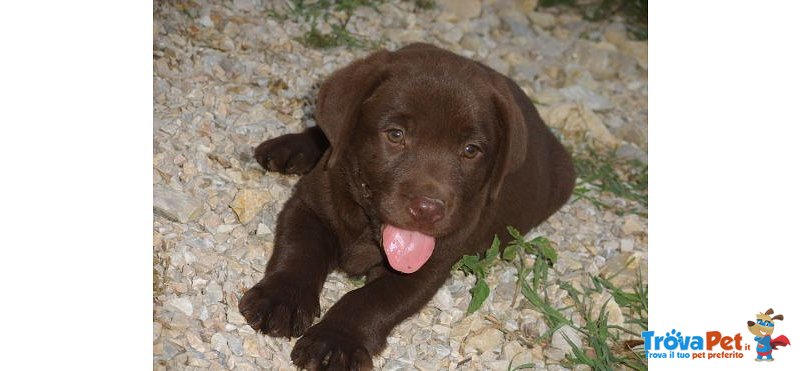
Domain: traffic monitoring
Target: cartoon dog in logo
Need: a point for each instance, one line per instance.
(763, 328)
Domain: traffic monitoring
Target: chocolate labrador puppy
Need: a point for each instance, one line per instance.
(420, 156)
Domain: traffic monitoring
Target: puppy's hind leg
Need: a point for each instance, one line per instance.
(292, 153)
(286, 301)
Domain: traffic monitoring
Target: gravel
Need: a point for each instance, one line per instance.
(228, 75)
(560, 342)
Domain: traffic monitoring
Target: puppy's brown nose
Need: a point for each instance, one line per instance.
(426, 210)
(750, 323)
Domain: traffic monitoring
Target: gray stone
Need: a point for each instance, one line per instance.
(612, 309)
(443, 299)
(234, 316)
(157, 327)
(452, 35)
(251, 347)
(578, 122)
(235, 344)
(471, 41)
(548, 46)
(182, 304)
(219, 343)
(592, 100)
(544, 20)
(623, 269)
(262, 230)
(516, 22)
(225, 228)
(464, 9)
(617, 34)
(626, 245)
(198, 362)
(396, 365)
(498, 64)
(630, 152)
(176, 205)
(599, 59)
(248, 203)
(560, 346)
(525, 71)
(213, 293)
(171, 349)
(245, 5)
(205, 21)
(633, 132)
(485, 340)
(196, 342)
(637, 50)
(632, 224)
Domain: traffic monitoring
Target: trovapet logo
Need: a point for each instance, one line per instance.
(711, 345)
(716, 345)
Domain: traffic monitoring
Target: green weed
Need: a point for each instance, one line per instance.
(311, 11)
(477, 266)
(424, 4)
(598, 173)
(603, 349)
(539, 247)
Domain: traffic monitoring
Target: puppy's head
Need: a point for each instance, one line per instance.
(428, 137)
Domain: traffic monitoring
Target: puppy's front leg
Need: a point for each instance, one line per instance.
(286, 301)
(356, 327)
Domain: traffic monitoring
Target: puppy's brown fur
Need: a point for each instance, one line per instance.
(395, 131)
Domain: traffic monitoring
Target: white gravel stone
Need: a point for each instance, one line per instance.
(461, 8)
(626, 245)
(443, 299)
(213, 293)
(262, 230)
(196, 342)
(560, 346)
(544, 20)
(577, 120)
(248, 203)
(235, 344)
(632, 225)
(485, 340)
(184, 305)
(175, 205)
(219, 343)
(592, 100)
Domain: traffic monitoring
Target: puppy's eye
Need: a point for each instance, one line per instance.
(471, 150)
(395, 135)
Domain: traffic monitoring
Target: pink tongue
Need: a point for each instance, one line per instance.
(407, 250)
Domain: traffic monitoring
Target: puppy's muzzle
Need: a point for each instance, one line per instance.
(425, 210)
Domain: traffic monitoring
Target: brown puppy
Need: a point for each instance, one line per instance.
(420, 156)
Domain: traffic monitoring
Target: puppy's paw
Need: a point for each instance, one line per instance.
(289, 154)
(278, 308)
(325, 347)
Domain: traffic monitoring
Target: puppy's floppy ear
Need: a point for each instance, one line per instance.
(513, 133)
(340, 97)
